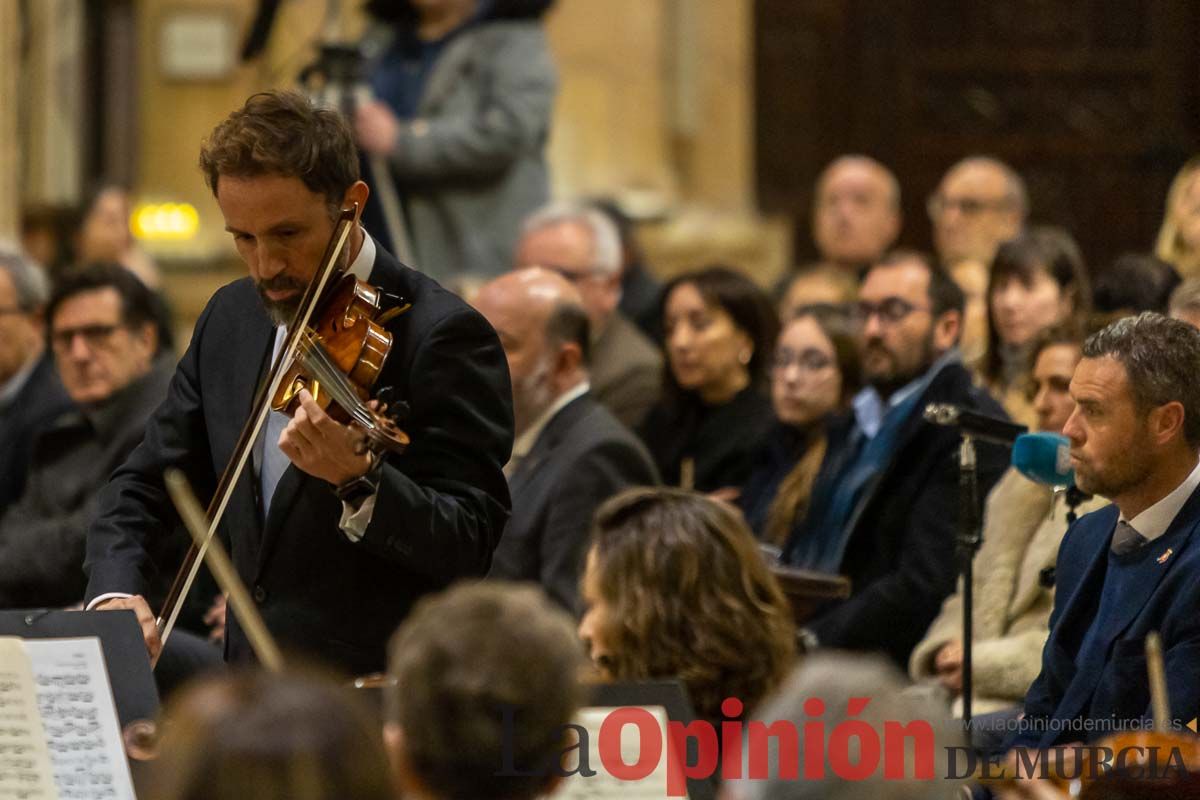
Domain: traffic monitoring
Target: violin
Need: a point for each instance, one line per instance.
(335, 348)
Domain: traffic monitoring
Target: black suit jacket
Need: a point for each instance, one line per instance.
(440, 507)
(1164, 596)
(41, 400)
(581, 458)
(900, 551)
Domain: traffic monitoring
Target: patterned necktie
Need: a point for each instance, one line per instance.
(1125, 539)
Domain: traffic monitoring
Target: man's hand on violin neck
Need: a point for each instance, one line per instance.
(145, 618)
(323, 447)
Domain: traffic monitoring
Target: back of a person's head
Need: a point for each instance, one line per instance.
(1135, 282)
(688, 596)
(269, 737)
(822, 690)
(485, 674)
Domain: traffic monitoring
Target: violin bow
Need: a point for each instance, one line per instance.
(253, 427)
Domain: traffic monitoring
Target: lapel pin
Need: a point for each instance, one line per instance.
(1166, 554)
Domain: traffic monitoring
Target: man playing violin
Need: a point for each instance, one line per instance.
(335, 543)
(1134, 566)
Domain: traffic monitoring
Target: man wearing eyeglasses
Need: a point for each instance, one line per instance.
(104, 341)
(980, 203)
(885, 501)
(30, 392)
(583, 246)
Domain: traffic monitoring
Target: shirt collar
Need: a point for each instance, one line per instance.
(1154, 521)
(524, 443)
(869, 407)
(10, 390)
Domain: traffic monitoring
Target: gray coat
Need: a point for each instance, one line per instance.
(472, 165)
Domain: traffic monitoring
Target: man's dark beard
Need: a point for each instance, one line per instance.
(284, 311)
(889, 385)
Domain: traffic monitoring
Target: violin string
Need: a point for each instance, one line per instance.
(317, 359)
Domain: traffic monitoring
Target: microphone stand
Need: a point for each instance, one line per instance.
(967, 544)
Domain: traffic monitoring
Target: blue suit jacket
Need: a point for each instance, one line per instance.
(1166, 599)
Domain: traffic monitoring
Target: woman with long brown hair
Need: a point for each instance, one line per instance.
(675, 588)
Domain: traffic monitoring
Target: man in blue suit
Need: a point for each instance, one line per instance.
(1132, 567)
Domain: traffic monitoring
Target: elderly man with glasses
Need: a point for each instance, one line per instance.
(980, 203)
(583, 246)
(104, 341)
(885, 501)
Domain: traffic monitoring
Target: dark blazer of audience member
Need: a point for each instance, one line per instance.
(719, 330)
(456, 664)
(270, 736)
(582, 245)
(885, 504)
(1178, 240)
(104, 340)
(1037, 279)
(30, 392)
(1133, 283)
(570, 453)
(675, 588)
(1135, 439)
(814, 372)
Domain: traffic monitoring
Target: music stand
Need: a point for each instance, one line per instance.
(121, 641)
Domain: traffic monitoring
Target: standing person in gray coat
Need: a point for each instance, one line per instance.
(465, 90)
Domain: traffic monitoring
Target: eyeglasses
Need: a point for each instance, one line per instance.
(810, 360)
(938, 204)
(891, 310)
(95, 336)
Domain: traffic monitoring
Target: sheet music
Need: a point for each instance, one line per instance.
(602, 785)
(79, 716)
(25, 772)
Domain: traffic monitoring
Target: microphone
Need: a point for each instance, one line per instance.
(972, 423)
(1044, 458)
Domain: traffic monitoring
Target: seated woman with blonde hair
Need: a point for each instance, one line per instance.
(270, 737)
(675, 588)
(1179, 237)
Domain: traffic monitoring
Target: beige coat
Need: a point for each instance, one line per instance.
(1023, 525)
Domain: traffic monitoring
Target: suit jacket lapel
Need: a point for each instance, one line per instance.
(454, 60)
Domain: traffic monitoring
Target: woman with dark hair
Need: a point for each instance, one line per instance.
(814, 372)
(675, 588)
(1038, 279)
(718, 330)
(455, 139)
(270, 737)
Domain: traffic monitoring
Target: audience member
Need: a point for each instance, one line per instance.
(103, 335)
(1185, 302)
(856, 212)
(271, 737)
(465, 90)
(1179, 237)
(1023, 523)
(719, 330)
(1134, 566)
(885, 502)
(1038, 279)
(675, 588)
(582, 245)
(816, 284)
(31, 394)
(104, 234)
(836, 680)
(1133, 283)
(570, 454)
(814, 372)
(641, 292)
(484, 675)
(972, 277)
(980, 203)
